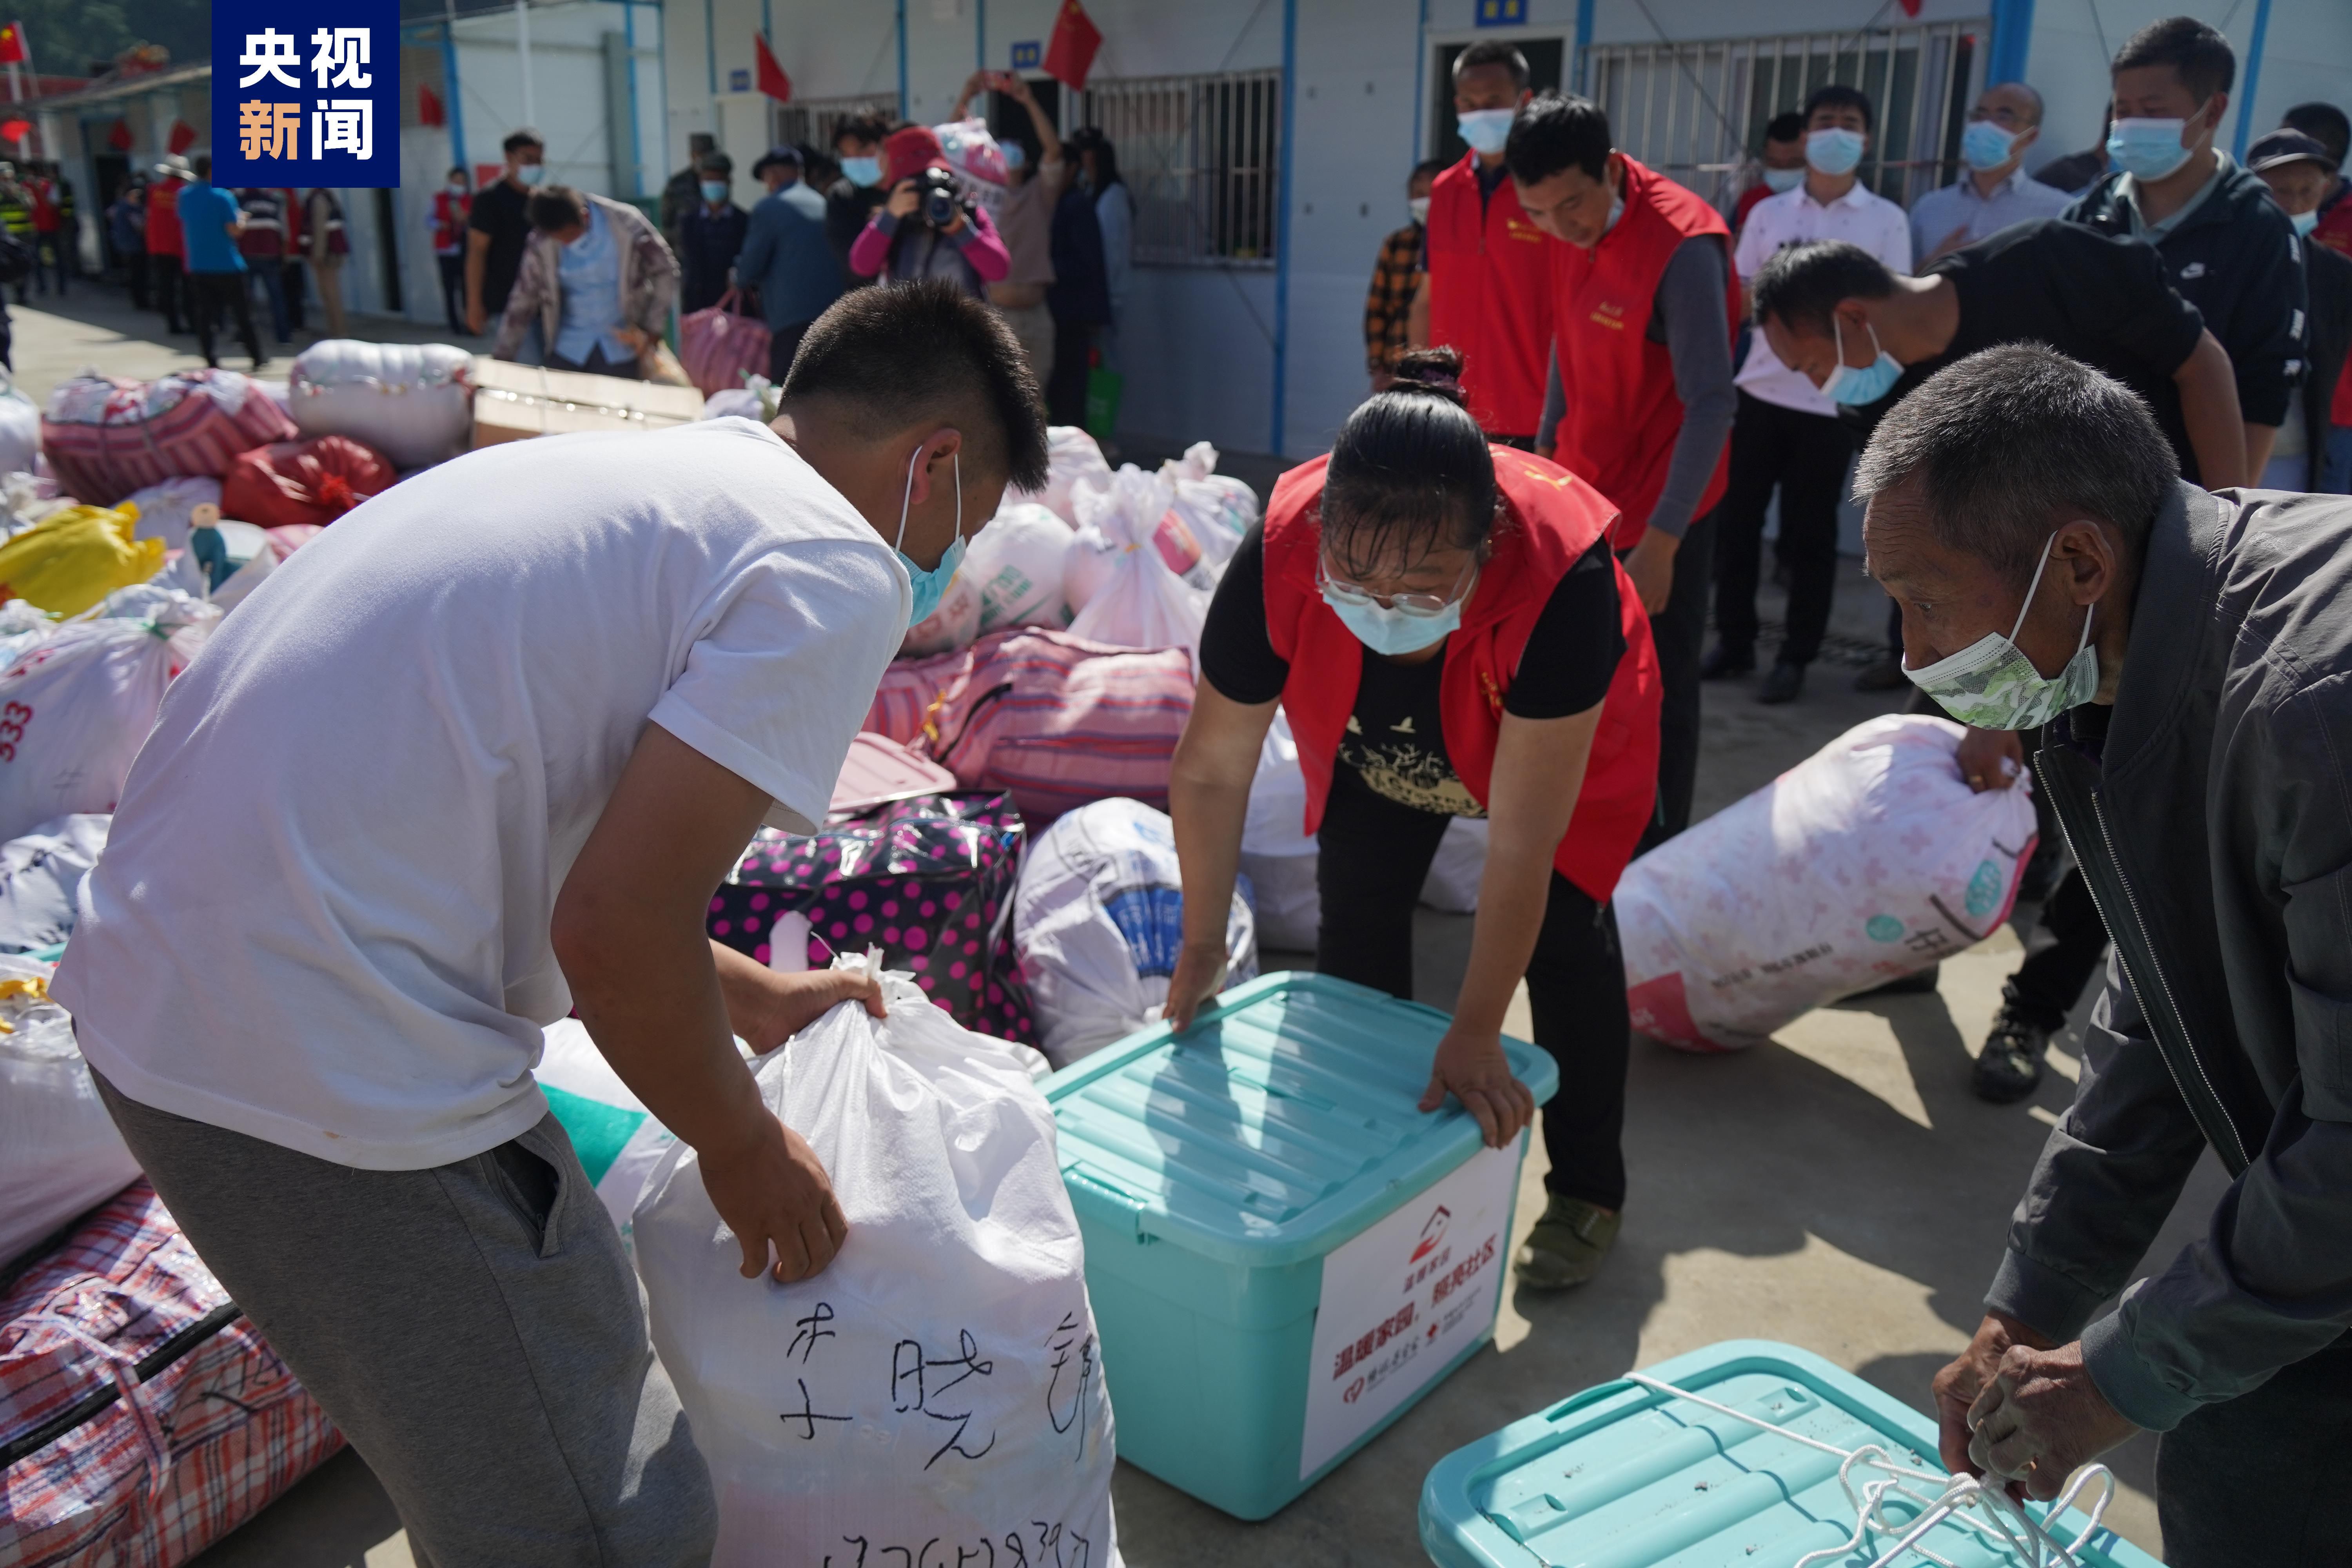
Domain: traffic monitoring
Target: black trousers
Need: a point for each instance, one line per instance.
(2050, 982)
(163, 273)
(208, 294)
(134, 272)
(2265, 1478)
(1679, 632)
(1805, 456)
(1065, 388)
(1375, 856)
(453, 289)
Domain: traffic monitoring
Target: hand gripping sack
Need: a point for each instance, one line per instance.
(1099, 922)
(936, 1395)
(1866, 862)
(76, 706)
(106, 436)
(60, 1154)
(411, 402)
(723, 346)
(290, 482)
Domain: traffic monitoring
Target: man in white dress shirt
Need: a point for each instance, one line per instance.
(1787, 434)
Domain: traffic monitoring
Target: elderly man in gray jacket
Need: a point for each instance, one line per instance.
(2190, 655)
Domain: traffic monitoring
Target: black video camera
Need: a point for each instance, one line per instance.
(941, 198)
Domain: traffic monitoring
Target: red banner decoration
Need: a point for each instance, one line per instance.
(118, 139)
(183, 137)
(1070, 52)
(772, 79)
(429, 110)
(15, 129)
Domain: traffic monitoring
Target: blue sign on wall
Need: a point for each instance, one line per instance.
(738, 81)
(1026, 55)
(306, 94)
(1502, 12)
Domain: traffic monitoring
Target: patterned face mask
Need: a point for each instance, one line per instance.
(1993, 686)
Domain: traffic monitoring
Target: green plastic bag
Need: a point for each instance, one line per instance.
(1103, 390)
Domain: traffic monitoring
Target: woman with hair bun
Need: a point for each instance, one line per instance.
(1445, 625)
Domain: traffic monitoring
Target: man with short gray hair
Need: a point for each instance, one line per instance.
(1994, 191)
(2188, 654)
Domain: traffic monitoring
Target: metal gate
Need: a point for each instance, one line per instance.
(809, 122)
(1696, 111)
(1201, 157)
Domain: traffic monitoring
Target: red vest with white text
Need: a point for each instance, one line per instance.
(1490, 296)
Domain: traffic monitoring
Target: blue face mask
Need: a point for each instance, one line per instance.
(2148, 149)
(932, 585)
(1387, 629)
(1984, 145)
(530, 174)
(1779, 179)
(862, 170)
(1861, 388)
(1834, 151)
(2304, 222)
(1015, 155)
(714, 191)
(1485, 129)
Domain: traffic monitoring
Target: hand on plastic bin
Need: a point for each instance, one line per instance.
(1472, 1068)
(1199, 976)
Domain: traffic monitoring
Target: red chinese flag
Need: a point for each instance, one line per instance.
(1910, 7)
(12, 43)
(1070, 53)
(183, 137)
(772, 79)
(15, 129)
(120, 137)
(428, 107)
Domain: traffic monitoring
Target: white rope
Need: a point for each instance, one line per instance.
(1989, 1511)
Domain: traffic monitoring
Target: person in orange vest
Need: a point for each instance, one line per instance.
(1644, 303)
(1486, 291)
(1443, 623)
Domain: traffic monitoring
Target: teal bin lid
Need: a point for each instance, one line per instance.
(1632, 1477)
(1276, 1127)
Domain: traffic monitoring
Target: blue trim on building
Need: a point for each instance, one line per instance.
(1583, 39)
(902, 60)
(2012, 41)
(2252, 76)
(637, 132)
(1282, 222)
(1420, 87)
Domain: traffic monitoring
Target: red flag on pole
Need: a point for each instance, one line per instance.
(183, 137)
(428, 107)
(12, 44)
(15, 129)
(1910, 7)
(118, 139)
(1070, 52)
(772, 79)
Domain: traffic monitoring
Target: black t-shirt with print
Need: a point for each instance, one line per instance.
(1395, 740)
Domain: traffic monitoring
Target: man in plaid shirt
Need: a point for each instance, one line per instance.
(1395, 276)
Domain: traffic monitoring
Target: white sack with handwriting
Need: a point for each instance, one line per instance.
(936, 1394)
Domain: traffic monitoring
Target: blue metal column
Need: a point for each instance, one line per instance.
(1583, 39)
(2253, 75)
(1420, 83)
(1282, 222)
(457, 99)
(711, 58)
(636, 137)
(979, 37)
(902, 60)
(2012, 41)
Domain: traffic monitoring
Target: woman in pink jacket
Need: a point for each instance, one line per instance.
(927, 229)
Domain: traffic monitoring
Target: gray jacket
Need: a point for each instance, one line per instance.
(2210, 809)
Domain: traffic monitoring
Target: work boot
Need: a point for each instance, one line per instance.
(2010, 1063)
(1882, 675)
(1724, 661)
(1567, 1244)
(1784, 684)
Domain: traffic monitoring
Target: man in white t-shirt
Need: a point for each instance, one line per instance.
(1787, 434)
(476, 758)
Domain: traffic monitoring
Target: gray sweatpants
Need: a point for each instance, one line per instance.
(474, 1329)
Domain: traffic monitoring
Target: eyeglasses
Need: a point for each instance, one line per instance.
(1422, 605)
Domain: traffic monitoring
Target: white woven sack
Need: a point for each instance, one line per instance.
(411, 402)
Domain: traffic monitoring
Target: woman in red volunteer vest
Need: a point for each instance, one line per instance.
(1449, 636)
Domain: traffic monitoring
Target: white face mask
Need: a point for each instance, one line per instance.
(1993, 685)
(1419, 208)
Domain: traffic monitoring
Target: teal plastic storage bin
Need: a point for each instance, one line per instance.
(1282, 1252)
(1627, 1477)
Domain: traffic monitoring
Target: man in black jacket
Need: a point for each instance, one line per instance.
(2302, 175)
(2190, 656)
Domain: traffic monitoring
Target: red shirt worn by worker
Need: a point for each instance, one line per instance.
(1623, 411)
(2335, 231)
(1552, 518)
(163, 217)
(1490, 297)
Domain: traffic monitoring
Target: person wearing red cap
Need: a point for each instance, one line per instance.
(927, 228)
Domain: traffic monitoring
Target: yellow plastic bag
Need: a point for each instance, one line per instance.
(74, 557)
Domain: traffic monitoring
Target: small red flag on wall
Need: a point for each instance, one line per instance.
(183, 137)
(429, 110)
(120, 137)
(1070, 52)
(12, 44)
(772, 79)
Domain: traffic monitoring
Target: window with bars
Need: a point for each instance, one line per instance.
(809, 122)
(1201, 156)
(1696, 111)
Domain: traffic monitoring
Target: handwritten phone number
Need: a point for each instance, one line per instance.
(1057, 1546)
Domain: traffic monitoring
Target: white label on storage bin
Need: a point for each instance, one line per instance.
(1405, 1298)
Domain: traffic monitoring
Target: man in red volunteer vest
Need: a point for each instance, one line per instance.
(1643, 302)
(1487, 290)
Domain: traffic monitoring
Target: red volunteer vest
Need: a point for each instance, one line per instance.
(1553, 518)
(1490, 296)
(1623, 411)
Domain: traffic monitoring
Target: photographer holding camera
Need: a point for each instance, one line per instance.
(927, 228)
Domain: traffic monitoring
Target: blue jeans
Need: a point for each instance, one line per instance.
(266, 271)
(2336, 463)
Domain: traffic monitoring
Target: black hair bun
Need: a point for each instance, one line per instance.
(1431, 370)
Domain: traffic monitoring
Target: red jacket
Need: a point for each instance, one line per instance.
(2335, 231)
(163, 217)
(1552, 518)
(449, 213)
(1623, 413)
(1490, 297)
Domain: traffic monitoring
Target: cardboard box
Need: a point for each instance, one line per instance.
(512, 401)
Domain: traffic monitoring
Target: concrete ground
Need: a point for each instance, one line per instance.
(1839, 1188)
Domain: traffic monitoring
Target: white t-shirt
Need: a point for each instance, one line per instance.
(322, 919)
(1870, 221)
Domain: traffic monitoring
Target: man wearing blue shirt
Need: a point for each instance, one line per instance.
(1995, 191)
(787, 258)
(210, 221)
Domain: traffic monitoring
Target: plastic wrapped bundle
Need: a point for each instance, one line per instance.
(411, 402)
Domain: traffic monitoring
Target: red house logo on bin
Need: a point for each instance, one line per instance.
(1432, 1234)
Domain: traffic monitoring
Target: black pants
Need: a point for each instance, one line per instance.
(1805, 456)
(597, 364)
(2265, 1478)
(164, 272)
(208, 293)
(783, 343)
(453, 289)
(1679, 632)
(1375, 856)
(51, 252)
(1065, 388)
(2050, 982)
(134, 272)
(292, 276)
